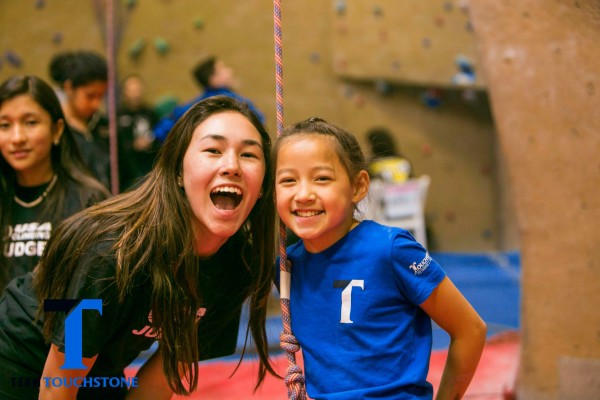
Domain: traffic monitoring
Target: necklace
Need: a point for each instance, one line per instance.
(40, 198)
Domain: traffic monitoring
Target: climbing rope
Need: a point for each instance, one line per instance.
(112, 102)
(294, 380)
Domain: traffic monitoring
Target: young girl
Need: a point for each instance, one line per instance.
(362, 294)
(172, 260)
(43, 179)
(83, 80)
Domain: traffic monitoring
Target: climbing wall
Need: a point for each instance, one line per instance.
(543, 72)
(412, 42)
(411, 66)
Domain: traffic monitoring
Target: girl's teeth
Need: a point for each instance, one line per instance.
(307, 213)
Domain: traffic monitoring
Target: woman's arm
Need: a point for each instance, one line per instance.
(454, 314)
(152, 382)
(52, 369)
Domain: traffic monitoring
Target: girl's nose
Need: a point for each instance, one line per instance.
(305, 193)
(18, 135)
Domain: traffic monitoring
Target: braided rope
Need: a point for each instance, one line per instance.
(112, 106)
(294, 379)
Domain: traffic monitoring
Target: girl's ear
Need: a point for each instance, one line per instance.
(361, 186)
(67, 85)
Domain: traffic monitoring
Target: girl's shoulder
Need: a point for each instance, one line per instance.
(84, 194)
(383, 233)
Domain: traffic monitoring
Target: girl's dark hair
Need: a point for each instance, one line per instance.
(80, 67)
(344, 143)
(65, 158)
(151, 225)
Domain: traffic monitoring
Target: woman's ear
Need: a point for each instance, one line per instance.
(59, 128)
(361, 186)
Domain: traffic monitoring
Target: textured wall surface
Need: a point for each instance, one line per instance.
(400, 59)
(543, 71)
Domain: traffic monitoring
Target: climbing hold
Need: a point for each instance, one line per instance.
(466, 71)
(426, 150)
(432, 98)
(57, 38)
(198, 23)
(136, 49)
(130, 4)
(161, 45)
(13, 59)
(340, 7)
(383, 87)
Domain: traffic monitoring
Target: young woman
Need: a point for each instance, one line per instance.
(363, 294)
(43, 179)
(83, 80)
(172, 260)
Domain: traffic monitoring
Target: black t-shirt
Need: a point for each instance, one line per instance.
(133, 125)
(122, 331)
(94, 151)
(28, 231)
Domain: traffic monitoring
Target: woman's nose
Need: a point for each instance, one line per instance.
(231, 165)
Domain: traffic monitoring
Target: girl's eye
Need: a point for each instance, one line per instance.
(4, 125)
(31, 122)
(323, 179)
(212, 151)
(286, 180)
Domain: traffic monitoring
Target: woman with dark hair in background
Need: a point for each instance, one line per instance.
(43, 179)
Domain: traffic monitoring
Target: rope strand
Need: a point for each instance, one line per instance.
(294, 379)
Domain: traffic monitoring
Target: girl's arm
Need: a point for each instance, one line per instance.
(52, 369)
(152, 382)
(454, 314)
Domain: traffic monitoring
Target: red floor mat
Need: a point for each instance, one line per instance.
(495, 375)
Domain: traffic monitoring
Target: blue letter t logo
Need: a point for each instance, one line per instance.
(73, 331)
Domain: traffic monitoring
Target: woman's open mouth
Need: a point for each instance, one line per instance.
(226, 197)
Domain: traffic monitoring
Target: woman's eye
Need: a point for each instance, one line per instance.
(249, 155)
(4, 125)
(31, 122)
(323, 179)
(212, 151)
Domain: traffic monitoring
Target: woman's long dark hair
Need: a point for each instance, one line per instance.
(64, 156)
(154, 237)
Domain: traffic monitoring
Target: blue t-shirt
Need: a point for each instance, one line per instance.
(355, 311)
